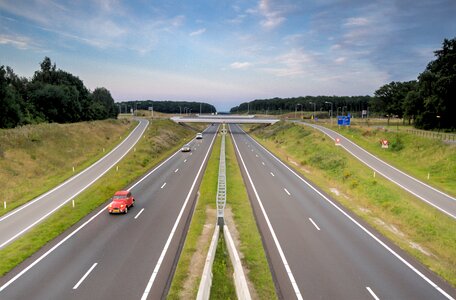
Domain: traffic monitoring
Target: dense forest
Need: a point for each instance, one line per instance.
(51, 95)
(427, 102)
(172, 107)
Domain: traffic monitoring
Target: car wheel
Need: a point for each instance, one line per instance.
(126, 210)
(133, 203)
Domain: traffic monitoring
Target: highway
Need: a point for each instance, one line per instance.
(20, 220)
(316, 249)
(432, 196)
(128, 256)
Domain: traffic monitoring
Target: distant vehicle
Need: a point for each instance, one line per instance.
(185, 148)
(121, 202)
(199, 136)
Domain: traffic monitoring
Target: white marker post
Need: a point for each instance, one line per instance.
(117, 168)
(73, 169)
(374, 174)
(72, 201)
(4, 204)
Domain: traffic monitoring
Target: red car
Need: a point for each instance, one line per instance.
(121, 202)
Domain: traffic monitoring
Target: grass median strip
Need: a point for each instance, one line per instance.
(238, 211)
(417, 228)
(161, 139)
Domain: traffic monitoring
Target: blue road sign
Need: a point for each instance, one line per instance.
(343, 120)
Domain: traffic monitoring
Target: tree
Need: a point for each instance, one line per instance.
(102, 105)
(437, 89)
(10, 103)
(390, 97)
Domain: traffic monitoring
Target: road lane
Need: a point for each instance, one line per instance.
(430, 195)
(343, 258)
(126, 249)
(19, 221)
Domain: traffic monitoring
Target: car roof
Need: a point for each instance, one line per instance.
(121, 193)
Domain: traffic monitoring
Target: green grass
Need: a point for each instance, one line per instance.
(36, 158)
(402, 218)
(206, 200)
(161, 139)
(222, 272)
(251, 246)
(416, 155)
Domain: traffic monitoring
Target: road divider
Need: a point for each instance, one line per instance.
(242, 290)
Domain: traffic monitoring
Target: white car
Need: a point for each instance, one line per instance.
(186, 148)
(199, 136)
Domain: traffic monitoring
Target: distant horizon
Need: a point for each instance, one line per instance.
(227, 52)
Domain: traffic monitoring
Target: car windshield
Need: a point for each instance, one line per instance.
(117, 197)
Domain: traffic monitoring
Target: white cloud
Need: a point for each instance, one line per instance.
(19, 42)
(240, 65)
(198, 32)
(356, 21)
(292, 63)
(271, 17)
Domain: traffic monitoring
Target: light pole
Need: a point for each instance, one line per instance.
(296, 109)
(331, 115)
(343, 110)
(337, 111)
(314, 109)
(180, 110)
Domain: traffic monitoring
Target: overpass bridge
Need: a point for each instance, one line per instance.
(227, 119)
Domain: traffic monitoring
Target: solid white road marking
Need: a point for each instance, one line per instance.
(176, 170)
(66, 201)
(395, 254)
(171, 235)
(314, 224)
(274, 237)
(140, 212)
(78, 229)
(256, 155)
(163, 185)
(85, 276)
(372, 293)
(286, 191)
(77, 175)
(185, 160)
(272, 174)
(263, 163)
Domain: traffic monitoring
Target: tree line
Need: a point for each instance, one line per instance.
(51, 95)
(427, 102)
(171, 107)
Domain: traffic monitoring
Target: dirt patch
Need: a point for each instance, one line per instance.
(199, 257)
(229, 221)
(338, 193)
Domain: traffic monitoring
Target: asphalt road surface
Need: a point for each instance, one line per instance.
(128, 256)
(430, 195)
(20, 220)
(316, 249)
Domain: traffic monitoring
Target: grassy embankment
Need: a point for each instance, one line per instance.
(36, 158)
(416, 155)
(162, 138)
(416, 227)
(191, 262)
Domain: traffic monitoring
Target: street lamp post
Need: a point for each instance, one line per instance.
(331, 115)
(314, 109)
(343, 110)
(296, 110)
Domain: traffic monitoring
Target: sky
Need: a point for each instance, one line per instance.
(227, 52)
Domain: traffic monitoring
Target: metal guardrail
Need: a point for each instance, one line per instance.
(204, 289)
(221, 188)
(240, 282)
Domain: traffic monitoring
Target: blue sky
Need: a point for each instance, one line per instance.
(227, 52)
